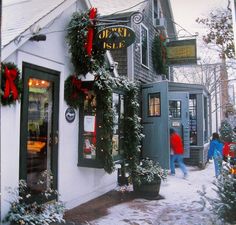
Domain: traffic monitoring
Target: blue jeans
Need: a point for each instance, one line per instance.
(218, 163)
(179, 160)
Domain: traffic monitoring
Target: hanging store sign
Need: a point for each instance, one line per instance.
(182, 52)
(115, 37)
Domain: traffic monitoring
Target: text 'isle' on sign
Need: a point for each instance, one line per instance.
(115, 37)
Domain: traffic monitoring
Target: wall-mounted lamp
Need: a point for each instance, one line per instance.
(38, 37)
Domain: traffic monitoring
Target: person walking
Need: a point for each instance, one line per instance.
(215, 152)
(177, 151)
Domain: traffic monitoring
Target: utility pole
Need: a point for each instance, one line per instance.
(224, 96)
(216, 101)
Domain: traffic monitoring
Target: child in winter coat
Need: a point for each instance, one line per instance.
(215, 152)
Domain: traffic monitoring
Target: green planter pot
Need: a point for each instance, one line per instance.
(148, 190)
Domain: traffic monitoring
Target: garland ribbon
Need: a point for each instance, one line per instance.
(89, 43)
(78, 84)
(10, 75)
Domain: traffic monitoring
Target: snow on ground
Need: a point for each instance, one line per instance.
(179, 207)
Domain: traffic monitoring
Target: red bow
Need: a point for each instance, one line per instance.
(78, 84)
(10, 75)
(89, 43)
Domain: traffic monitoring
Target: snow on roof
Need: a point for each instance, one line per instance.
(20, 15)
(108, 7)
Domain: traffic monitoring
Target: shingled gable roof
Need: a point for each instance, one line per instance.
(19, 17)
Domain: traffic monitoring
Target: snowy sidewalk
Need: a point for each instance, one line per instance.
(179, 206)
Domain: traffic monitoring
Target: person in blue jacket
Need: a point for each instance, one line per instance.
(215, 152)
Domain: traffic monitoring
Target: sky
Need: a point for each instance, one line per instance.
(185, 12)
(179, 207)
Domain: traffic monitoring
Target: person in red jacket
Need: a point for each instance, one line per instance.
(177, 151)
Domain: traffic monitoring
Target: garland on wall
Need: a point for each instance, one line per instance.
(11, 86)
(159, 54)
(85, 54)
(87, 57)
(103, 86)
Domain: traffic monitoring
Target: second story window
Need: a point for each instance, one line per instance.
(156, 9)
(144, 46)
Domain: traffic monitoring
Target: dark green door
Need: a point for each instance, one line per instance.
(179, 117)
(39, 128)
(155, 122)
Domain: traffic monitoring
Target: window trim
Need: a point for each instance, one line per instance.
(142, 26)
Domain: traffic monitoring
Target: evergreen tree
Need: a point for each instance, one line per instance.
(224, 204)
(226, 131)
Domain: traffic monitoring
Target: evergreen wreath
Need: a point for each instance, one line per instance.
(11, 86)
(73, 91)
(78, 30)
(159, 54)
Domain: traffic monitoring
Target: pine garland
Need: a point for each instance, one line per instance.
(13, 71)
(159, 56)
(104, 84)
(104, 87)
(76, 39)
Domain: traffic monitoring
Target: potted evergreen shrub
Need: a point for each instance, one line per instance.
(25, 210)
(147, 178)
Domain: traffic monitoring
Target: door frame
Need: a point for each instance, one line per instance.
(51, 75)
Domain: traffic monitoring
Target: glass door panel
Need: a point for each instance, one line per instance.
(39, 127)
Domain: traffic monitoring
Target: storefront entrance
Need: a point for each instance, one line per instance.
(39, 128)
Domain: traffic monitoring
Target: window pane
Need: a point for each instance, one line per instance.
(175, 109)
(144, 47)
(39, 130)
(118, 109)
(89, 132)
(154, 104)
(193, 119)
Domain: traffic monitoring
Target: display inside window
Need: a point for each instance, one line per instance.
(117, 138)
(193, 119)
(175, 109)
(89, 126)
(154, 104)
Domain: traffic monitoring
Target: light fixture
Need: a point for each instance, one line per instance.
(38, 37)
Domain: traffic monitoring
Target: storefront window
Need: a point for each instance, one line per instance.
(91, 134)
(193, 119)
(89, 126)
(154, 104)
(117, 138)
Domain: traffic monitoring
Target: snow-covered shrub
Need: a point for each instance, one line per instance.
(25, 210)
(148, 171)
